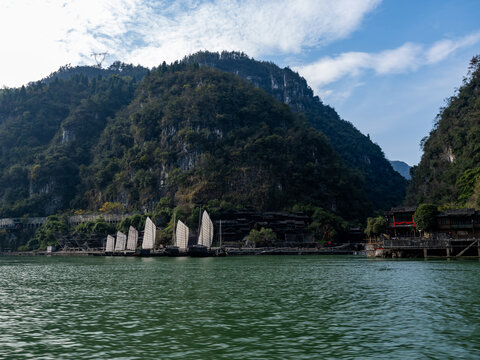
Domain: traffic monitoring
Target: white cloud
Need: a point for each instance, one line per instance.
(407, 57)
(39, 36)
(443, 48)
(401, 59)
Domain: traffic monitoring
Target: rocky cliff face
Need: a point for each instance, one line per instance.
(203, 136)
(384, 186)
(194, 135)
(449, 171)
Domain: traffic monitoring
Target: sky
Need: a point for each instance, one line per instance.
(386, 66)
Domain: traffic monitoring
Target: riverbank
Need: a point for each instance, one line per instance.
(213, 252)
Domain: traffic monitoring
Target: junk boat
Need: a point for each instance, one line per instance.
(205, 238)
(180, 241)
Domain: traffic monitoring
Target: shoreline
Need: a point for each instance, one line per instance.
(214, 252)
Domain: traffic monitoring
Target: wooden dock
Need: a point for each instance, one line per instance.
(426, 248)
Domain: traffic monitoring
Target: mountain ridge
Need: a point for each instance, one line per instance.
(185, 134)
(402, 168)
(384, 186)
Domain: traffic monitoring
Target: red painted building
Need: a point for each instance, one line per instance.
(456, 224)
(401, 222)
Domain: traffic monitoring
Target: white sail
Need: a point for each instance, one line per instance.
(109, 247)
(149, 234)
(205, 236)
(121, 241)
(132, 239)
(181, 236)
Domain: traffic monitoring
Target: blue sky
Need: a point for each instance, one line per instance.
(386, 66)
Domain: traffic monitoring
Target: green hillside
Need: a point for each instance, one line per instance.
(449, 172)
(384, 186)
(191, 135)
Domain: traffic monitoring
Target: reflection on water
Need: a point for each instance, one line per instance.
(238, 308)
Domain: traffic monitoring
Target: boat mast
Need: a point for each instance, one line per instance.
(220, 233)
(174, 221)
(200, 224)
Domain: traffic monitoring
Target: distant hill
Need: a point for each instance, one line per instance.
(449, 171)
(402, 168)
(384, 186)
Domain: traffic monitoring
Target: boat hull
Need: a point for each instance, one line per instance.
(198, 251)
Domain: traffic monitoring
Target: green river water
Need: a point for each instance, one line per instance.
(253, 307)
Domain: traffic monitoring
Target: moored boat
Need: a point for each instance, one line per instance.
(110, 245)
(205, 238)
(180, 240)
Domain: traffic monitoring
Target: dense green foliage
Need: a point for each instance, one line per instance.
(198, 135)
(262, 237)
(46, 234)
(137, 221)
(99, 226)
(47, 133)
(91, 72)
(185, 136)
(448, 173)
(326, 226)
(425, 217)
(384, 187)
(376, 226)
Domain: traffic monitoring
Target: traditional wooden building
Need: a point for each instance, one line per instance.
(401, 222)
(236, 225)
(456, 224)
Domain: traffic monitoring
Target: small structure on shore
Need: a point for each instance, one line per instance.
(456, 234)
(454, 223)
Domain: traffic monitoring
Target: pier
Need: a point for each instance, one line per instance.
(426, 248)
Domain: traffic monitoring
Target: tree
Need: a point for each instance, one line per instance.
(326, 225)
(375, 226)
(47, 234)
(264, 237)
(380, 225)
(424, 217)
(112, 208)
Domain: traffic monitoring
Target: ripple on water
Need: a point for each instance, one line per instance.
(238, 308)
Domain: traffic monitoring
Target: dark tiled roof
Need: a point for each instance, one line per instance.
(458, 212)
(401, 209)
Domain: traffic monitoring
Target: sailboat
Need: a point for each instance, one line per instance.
(110, 246)
(205, 237)
(132, 239)
(121, 243)
(180, 240)
(149, 235)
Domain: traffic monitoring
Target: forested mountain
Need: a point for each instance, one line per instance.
(449, 172)
(384, 186)
(402, 168)
(47, 132)
(193, 136)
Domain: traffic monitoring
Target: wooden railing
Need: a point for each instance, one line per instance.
(412, 243)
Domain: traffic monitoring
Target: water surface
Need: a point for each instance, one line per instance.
(256, 307)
